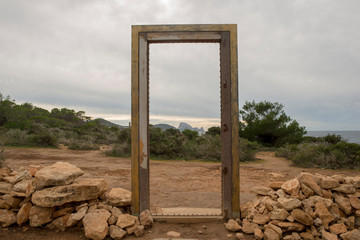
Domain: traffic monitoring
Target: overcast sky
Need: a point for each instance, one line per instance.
(76, 53)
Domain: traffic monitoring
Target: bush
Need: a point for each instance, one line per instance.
(120, 150)
(43, 139)
(15, 137)
(247, 150)
(323, 155)
(82, 145)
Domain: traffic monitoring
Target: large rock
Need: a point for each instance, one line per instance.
(60, 173)
(270, 234)
(95, 224)
(23, 214)
(119, 197)
(289, 203)
(302, 217)
(292, 186)
(22, 186)
(353, 180)
(249, 227)
(80, 190)
(7, 217)
(5, 188)
(354, 202)
(25, 175)
(323, 213)
(40, 215)
(264, 191)
(308, 180)
(338, 228)
(261, 218)
(146, 219)
(279, 214)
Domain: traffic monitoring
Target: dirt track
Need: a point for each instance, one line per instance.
(172, 184)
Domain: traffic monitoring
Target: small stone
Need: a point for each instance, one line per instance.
(270, 234)
(276, 185)
(95, 224)
(126, 220)
(355, 202)
(343, 202)
(307, 191)
(59, 223)
(232, 226)
(307, 236)
(258, 234)
(338, 228)
(323, 213)
(200, 232)
(130, 230)
(23, 214)
(7, 217)
(146, 219)
(289, 226)
(25, 175)
(115, 213)
(116, 233)
(346, 188)
(352, 235)
(296, 235)
(279, 214)
(289, 203)
(308, 180)
(292, 186)
(119, 197)
(13, 202)
(262, 190)
(239, 236)
(248, 227)
(74, 218)
(261, 219)
(328, 236)
(173, 234)
(329, 182)
(40, 215)
(139, 231)
(5, 188)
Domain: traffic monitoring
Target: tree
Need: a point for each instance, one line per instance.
(213, 131)
(267, 123)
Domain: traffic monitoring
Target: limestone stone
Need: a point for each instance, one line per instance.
(126, 220)
(62, 212)
(74, 218)
(291, 187)
(275, 228)
(302, 217)
(240, 236)
(7, 217)
(350, 223)
(279, 214)
(276, 185)
(4, 172)
(270, 234)
(17, 194)
(328, 236)
(346, 188)
(22, 186)
(308, 180)
(323, 213)
(307, 191)
(232, 226)
(249, 227)
(139, 230)
(258, 234)
(32, 169)
(95, 224)
(355, 181)
(354, 202)
(130, 230)
(5, 188)
(3, 204)
(289, 203)
(173, 234)
(317, 222)
(116, 233)
(146, 219)
(296, 235)
(338, 228)
(289, 226)
(315, 199)
(25, 175)
(327, 193)
(307, 236)
(59, 223)
(60, 173)
(352, 235)
(343, 202)
(80, 190)
(115, 213)
(262, 190)
(329, 182)
(119, 197)
(40, 215)
(13, 202)
(261, 218)
(23, 214)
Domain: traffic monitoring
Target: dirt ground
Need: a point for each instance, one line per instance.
(173, 184)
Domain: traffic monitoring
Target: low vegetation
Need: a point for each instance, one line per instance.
(330, 152)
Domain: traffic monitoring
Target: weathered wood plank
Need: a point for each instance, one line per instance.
(162, 37)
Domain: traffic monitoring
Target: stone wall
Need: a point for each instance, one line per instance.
(56, 198)
(307, 207)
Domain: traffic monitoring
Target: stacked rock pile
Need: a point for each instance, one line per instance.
(307, 207)
(56, 198)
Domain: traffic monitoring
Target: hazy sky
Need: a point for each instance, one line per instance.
(304, 54)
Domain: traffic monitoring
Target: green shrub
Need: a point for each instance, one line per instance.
(247, 150)
(43, 139)
(82, 145)
(323, 155)
(15, 137)
(120, 150)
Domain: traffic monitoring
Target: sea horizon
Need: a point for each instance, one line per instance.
(348, 135)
